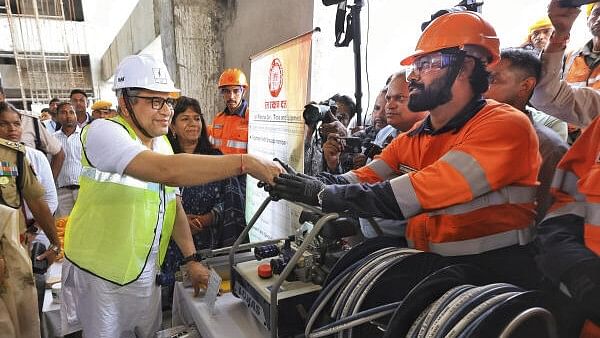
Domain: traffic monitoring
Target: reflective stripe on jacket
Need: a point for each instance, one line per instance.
(578, 73)
(464, 192)
(576, 190)
(229, 133)
(113, 224)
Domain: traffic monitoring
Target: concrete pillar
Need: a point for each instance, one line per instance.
(192, 41)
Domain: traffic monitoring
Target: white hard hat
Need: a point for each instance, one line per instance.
(143, 71)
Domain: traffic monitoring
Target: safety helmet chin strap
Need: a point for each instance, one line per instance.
(456, 67)
(132, 113)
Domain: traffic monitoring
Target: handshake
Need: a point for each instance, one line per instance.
(295, 187)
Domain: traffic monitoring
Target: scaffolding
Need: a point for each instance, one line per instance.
(44, 73)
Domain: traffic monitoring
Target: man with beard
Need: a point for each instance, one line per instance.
(399, 117)
(465, 177)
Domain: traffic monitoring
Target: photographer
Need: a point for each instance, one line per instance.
(321, 121)
(356, 151)
(398, 117)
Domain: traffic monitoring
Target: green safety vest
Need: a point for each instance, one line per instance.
(114, 221)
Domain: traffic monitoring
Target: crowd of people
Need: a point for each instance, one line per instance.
(484, 156)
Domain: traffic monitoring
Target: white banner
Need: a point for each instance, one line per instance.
(279, 81)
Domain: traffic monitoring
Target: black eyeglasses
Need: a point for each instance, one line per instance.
(157, 102)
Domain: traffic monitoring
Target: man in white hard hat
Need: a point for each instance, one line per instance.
(128, 208)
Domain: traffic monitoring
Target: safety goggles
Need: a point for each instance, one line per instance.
(430, 62)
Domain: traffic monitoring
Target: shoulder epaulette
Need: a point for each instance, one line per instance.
(29, 113)
(13, 145)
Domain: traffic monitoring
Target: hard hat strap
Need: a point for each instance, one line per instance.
(132, 113)
(455, 67)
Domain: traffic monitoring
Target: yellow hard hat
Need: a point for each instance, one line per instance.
(589, 8)
(540, 24)
(101, 104)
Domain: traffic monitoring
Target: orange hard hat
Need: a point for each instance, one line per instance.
(457, 30)
(233, 77)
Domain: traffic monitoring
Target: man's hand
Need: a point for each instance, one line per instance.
(196, 224)
(297, 188)
(335, 127)
(562, 17)
(262, 170)
(583, 282)
(198, 274)
(359, 161)
(49, 254)
(332, 149)
(356, 129)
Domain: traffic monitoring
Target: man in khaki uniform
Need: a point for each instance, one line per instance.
(38, 137)
(18, 299)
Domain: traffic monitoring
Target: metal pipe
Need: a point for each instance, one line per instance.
(355, 11)
(291, 265)
(241, 237)
(207, 253)
(16, 54)
(45, 65)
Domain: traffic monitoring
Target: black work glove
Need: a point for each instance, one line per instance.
(297, 188)
(583, 282)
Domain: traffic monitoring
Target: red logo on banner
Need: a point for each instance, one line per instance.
(275, 77)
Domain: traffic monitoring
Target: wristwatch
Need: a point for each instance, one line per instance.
(189, 258)
(55, 248)
(320, 197)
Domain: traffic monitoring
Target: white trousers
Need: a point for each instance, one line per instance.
(66, 201)
(106, 310)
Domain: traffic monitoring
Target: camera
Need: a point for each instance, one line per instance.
(574, 3)
(353, 145)
(372, 150)
(324, 111)
(464, 5)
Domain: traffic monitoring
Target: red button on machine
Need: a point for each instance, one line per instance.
(264, 270)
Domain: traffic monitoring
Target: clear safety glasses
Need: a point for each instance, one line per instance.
(430, 62)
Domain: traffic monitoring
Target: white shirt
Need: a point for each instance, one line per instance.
(102, 153)
(50, 125)
(49, 144)
(41, 167)
(109, 148)
(88, 120)
(69, 173)
(384, 133)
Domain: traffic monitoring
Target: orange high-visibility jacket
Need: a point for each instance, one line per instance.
(578, 73)
(229, 133)
(576, 189)
(464, 192)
